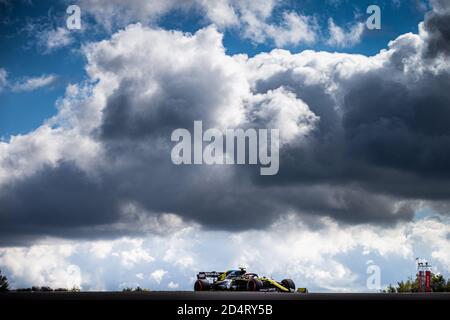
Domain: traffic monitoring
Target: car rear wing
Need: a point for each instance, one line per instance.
(211, 274)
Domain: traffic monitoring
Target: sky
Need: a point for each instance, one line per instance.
(89, 195)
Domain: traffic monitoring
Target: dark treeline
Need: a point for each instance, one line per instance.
(438, 284)
(4, 286)
(137, 289)
(47, 289)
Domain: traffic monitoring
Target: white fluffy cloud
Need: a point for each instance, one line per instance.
(140, 275)
(292, 30)
(42, 265)
(295, 29)
(280, 109)
(315, 258)
(435, 233)
(158, 275)
(48, 146)
(3, 78)
(33, 83)
(129, 257)
(341, 38)
(53, 39)
(250, 18)
(119, 12)
(25, 83)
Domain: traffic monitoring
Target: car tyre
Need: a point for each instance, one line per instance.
(289, 284)
(202, 285)
(254, 285)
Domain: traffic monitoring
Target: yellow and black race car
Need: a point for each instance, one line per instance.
(240, 280)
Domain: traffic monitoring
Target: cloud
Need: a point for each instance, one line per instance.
(329, 257)
(49, 267)
(221, 12)
(340, 38)
(101, 249)
(437, 29)
(3, 79)
(250, 19)
(48, 33)
(363, 139)
(295, 29)
(119, 13)
(33, 83)
(140, 276)
(136, 255)
(292, 28)
(26, 83)
(364, 147)
(158, 275)
(53, 39)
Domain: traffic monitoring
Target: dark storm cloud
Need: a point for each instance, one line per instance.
(389, 125)
(54, 201)
(389, 137)
(437, 25)
(182, 98)
(381, 142)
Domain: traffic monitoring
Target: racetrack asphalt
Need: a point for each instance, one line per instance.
(192, 296)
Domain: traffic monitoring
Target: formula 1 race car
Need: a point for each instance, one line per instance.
(240, 280)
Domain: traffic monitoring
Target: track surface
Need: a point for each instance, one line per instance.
(192, 296)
